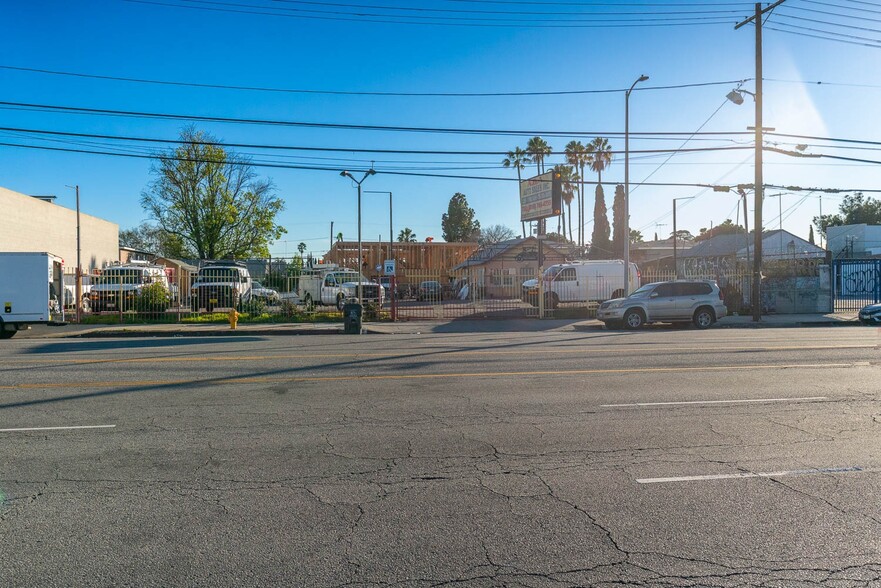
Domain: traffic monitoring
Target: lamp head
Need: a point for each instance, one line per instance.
(371, 172)
(345, 173)
(735, 96)
(643, 78)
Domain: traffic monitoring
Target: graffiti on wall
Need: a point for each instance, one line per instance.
(860, 280)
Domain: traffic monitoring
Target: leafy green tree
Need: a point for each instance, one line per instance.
(683, 235)
(152, 239)
(635, 236)
(458, 223)
(212, 200)
(811, 235)
(518, 158)
(495, 234)
(600, 246)
(538, 149)
(339, 237)
(619, 226)
(726, 228)
(406, 236)
(855, 209)
(576, 156)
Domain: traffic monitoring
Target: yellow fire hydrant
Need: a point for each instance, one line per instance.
(233, 318)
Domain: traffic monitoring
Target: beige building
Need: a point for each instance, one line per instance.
(36, 224)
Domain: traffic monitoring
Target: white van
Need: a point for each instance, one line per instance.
(582, 281)
(30, 284)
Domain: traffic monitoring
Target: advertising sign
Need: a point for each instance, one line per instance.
(540, 197)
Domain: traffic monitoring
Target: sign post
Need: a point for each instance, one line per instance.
(389, 268)
(541, 197)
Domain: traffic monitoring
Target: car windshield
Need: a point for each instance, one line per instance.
(121, 276)
(350, 277)
(643, 291)
(218, 274)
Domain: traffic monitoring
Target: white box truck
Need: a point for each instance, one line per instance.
(30, 284)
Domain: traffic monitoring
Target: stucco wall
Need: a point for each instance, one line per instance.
(29, 224)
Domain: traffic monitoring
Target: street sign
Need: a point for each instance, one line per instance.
(540, 197)
(389, 267)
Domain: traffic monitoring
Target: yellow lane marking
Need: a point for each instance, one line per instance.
(585, 351)
(272, 380)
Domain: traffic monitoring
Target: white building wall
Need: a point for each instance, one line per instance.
(29, 224)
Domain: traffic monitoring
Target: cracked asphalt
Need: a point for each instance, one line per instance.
(464, 460)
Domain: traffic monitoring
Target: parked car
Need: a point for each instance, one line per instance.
(430, 291)
(680, 301)
(260, 292)
(871, 314)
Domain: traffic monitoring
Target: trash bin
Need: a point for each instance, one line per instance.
(352, 313)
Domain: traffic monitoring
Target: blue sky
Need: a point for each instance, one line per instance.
(142, 40)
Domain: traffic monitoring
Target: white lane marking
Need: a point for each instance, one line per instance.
(57, 428)
(807, 472)
(714, 401)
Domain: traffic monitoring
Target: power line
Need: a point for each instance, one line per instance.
(396, 19)
(460, 131)
(327, 149)
(359, 93)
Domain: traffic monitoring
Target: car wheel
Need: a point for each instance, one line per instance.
(7, 334)
(704, 318)
(340, 301)
(634, 319)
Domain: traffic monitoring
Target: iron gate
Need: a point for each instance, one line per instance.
(856, 283)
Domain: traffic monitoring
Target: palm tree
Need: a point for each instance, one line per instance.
(518, 158)
(576, 155)
(599, 156)
(538, 149)
(406, 236)
(301, 248)
(568, 179)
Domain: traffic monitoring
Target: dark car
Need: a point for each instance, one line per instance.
(430, 291)
(871, 314)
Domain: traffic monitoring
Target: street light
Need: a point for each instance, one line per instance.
(675, 264)
(391, 237)
(345, 174)
(641, 78)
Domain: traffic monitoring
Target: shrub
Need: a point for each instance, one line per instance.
(153, 298)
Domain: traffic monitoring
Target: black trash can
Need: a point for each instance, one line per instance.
(352, 313)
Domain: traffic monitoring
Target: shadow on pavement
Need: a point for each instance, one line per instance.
(106, 345)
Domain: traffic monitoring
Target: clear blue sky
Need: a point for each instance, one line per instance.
(143, 40)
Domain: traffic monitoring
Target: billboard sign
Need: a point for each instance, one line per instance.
(540, 197)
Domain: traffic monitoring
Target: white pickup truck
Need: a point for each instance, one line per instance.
(334, 285)
(30, 284)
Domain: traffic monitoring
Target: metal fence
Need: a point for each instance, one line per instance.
(171, 294)
(856, 283)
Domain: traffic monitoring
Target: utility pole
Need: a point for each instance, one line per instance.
(331, 237)
(756, 294)
(676, 237)
(79, 267)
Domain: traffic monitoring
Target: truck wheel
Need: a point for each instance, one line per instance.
(551, 300)
(340, 301)
(194, 304)
(4, 334)
(308, 303)
(209, 307)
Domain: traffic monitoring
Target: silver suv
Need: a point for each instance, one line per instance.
(680, 301)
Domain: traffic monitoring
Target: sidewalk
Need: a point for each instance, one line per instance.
(406, 327)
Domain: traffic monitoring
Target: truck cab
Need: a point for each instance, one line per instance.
(118, 286)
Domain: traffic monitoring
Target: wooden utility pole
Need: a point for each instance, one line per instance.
(756, 293)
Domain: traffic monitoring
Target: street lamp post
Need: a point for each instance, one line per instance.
(346, 174)
(675, 238)
(641, 78)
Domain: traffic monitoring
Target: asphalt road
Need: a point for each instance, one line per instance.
(661, 458)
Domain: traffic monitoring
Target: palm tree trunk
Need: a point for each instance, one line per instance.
(569, 206)
(522, 224)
